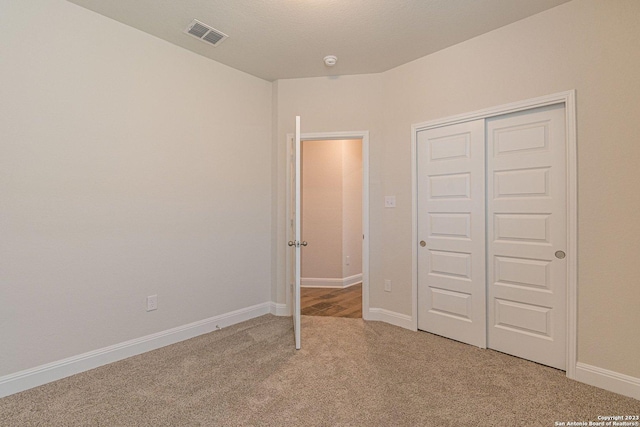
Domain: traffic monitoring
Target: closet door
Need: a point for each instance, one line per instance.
(526, 230)
(451, 232)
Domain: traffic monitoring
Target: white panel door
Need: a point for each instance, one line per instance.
(526, 231)
(295, 244)
(451, 232)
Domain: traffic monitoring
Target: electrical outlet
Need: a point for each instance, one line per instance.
(152, 302)
(387, 285)
(389, 201)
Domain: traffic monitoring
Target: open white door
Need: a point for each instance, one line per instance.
(295, 243)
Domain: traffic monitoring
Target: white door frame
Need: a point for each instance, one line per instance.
(568, 99)
(364, 136)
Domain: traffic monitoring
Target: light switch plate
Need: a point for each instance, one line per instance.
(389, 201)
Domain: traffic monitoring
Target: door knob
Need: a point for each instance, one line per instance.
(303, 243)
(291, 243)
(423, 243)
(560, 254)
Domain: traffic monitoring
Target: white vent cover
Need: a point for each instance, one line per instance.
(205, 33)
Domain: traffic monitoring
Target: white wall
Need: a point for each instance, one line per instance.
(129, 167)
(588, 45)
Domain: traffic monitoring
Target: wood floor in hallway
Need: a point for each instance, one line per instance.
(345, 302)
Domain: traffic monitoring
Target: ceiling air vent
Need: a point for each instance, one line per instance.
(205, 33)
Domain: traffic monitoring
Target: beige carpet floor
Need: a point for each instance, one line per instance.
(349, 373)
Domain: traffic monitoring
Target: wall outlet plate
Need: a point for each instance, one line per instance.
(389, 201)
(152, 302)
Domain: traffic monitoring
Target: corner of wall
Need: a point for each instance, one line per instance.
(274, 190)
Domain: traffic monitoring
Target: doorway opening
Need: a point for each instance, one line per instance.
(333, 287)
(331, 219)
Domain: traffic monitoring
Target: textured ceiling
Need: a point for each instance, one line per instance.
(278, 39)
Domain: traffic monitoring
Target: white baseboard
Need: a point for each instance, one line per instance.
(23, 380)
(280, 309)
(323, 282)
(393, 318)
(608, 380)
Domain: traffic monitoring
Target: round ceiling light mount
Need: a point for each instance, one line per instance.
(330, 60)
